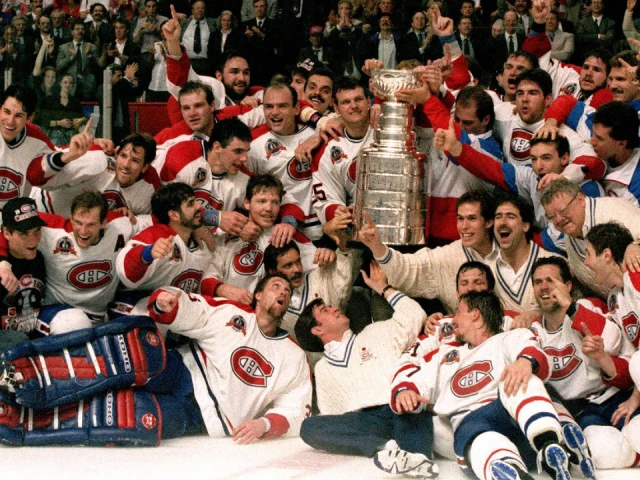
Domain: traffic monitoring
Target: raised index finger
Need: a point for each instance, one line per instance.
(585, 329)
(87, 126)
(174, 15)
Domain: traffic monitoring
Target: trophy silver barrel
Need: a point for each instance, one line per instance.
(390, 178)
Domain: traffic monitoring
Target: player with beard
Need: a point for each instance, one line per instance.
(255, 382)
(126, 180)
(166, 254)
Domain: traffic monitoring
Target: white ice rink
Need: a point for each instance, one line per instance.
(208, 458)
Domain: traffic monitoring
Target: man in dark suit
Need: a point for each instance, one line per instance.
(260, 32)
(196, 35)
(122, 51)
(594, 31)
(466, 38)
(416, 44)
(317, 52)
(79, 58)
(383, 45)
(227, 37)
(61, 34)
(97, 30)
(507, 43)
(43, 35)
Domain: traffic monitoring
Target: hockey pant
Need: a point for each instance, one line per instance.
(61, 369)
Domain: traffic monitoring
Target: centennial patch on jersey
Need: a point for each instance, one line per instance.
(64, 247)
(10, 183)
(248, 260)
(90, 275)
(337, 154)
(199, 177)
(450, 358)
(273, 147)
(569, 89)
(238, 324)
(115, 199)
(251, 367)
(565, 361)
(630, 325)
(111, 164)
(176, 254)
(188, 281)
(351, 172)
(472, 378)
(446, 331)
(299, 170)
(366, 355)
(519, 145)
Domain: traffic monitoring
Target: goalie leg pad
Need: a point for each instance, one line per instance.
(53, 371)
(125, 417)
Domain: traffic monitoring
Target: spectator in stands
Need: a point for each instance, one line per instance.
(98, 30)
(43, 81)
(122, 50)
(62, 114)
(465, 36)
(507, 44)
(123, 9)
(343, 18)
(125, 89)
(146, 33)
(247, 11)
(343, 41)
(12, 55)
(593, 31)
(260, 33)
(43, 35)
(628, 27)
(157, 90)
(69, 7)
(562, 43)
(227, 37)
(384, 45)
(61, 33)
(318, 52)
(195, 36)
(79, 59)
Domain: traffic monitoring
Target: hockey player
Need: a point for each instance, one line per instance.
(80, 255)
(241, 376)
(574, 215)
(126, 181)
(428, 272)
(352, 381)
(23, 282)
(274, 153)
(238, 264)
(334, 164)
(549, 160)
(504, 410)
(591, 369)
(165, 254)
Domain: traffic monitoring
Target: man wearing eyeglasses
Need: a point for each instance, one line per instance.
(574, 214)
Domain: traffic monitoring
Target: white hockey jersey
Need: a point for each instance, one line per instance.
(274, 154)
(93, 171)
(334, 174)
(238, 372)
(624, 306)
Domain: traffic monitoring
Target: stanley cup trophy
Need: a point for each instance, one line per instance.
(390, 179)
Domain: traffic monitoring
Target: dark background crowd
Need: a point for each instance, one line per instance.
(61, 48)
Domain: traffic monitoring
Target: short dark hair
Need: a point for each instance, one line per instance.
(467, 1)
(25, 95)
(623, 121)
(539, 77)
(284, 86)
(169, 197)
(93, 7)
(487, 204)
(346, 84)
(602, 54)
(628, 56)
(522, 54)
(77, 22)
(263, 283)
(88, 200)
(193, 86)
(273, 253)
(323, 72)
(471, 95)
(226, 56)
(465, 17)
(228, 129)
(123, 21)
(147, 1)
(143, 140)
(525, 209)
(612, 235)
(489, 306)
(561, 263)
(263, 182)
(475, 265)
(560, 142)
(306, 321)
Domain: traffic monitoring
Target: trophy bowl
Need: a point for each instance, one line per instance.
(387, 82)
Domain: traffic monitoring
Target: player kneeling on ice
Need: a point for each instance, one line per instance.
(489, 385)
(115, 384)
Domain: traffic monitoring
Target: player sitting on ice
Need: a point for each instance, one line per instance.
(115, 384)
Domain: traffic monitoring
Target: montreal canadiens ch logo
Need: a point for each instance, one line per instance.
(519, 146)
(10, 183)
(337, 154)
(114, 199)
(565, 361)
(299, 170)
(248, 260)
(471, 379)
(273, 147)
(149, 421)
(90, 275)
(188, 281)
(251, 367)
(630, 325)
